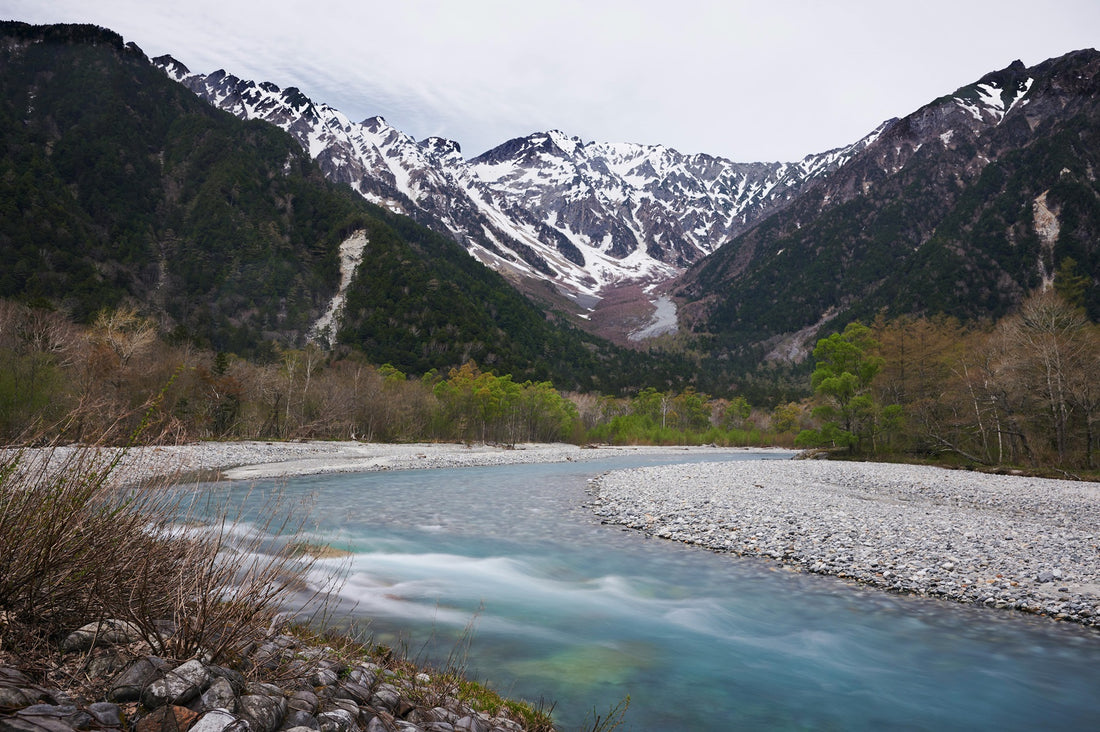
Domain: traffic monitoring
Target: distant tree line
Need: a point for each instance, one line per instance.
(1024, 391)
(117, 378)
(1019, 392)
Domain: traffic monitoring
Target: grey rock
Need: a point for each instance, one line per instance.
(360, 693)
(324, 677)
(262, 689)
(347, 705)
(178, 686)
(264, 713)
(303, 700)
(471, 723)
(444, 715)
(386, 697)
(365, 673)
(219, 695)
(14, 676)
(235, 678)
(68, 714)
(128, 685)
(107, 714)
(268, 655)
(215, 720)
(338, 720)
(296, 718)
(19, 723)
(106, 665)
(106, 632)
(12, 697)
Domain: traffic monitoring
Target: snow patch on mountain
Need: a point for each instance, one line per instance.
(990, 101)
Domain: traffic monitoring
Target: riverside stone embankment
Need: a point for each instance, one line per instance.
(1027, 544)
(314, 690)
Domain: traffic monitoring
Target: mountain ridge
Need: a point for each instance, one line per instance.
(585, 217)
(960, 207)
(119, 188)
(938, 215)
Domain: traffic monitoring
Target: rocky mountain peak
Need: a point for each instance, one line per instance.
(546, 206)
(375, 123)
(441, 146)
(948, 210)
(171, 66)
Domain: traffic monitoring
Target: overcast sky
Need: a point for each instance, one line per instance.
(750, 81)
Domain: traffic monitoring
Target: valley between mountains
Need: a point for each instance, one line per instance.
(248, 217)
(938, 211)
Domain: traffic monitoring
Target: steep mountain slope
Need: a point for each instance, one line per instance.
(960, 208)
(119, 185)
(583, 216)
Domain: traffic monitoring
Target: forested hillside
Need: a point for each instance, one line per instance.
(961, 208)
(120, 187)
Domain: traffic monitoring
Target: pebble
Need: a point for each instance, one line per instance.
(1027, 544)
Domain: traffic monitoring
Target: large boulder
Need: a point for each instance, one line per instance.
(132, 680)
(178, 686)
(104, 632)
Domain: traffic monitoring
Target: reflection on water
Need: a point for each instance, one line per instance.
(565, 609)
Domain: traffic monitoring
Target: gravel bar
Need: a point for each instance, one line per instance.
(256, 459)
(1028, 544)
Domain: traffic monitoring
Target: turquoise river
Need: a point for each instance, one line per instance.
(506, 573)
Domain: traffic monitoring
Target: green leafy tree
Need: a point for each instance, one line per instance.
(692, 410)
(1070, 284)
(736, 413)
(845, 365)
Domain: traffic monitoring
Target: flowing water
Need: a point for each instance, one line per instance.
(505, 572)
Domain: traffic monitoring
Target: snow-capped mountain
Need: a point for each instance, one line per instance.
(962, 207)
(584, 216)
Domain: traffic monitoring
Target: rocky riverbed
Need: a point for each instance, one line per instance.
(1028, 544)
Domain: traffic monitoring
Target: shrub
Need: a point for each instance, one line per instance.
(77, 547)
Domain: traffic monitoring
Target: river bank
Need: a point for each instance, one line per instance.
(110, 676)
(1023, 543)
(1026, 544)
(902, 528)
(259, 460)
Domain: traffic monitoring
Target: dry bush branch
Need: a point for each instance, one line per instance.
(76, 547)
